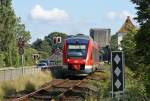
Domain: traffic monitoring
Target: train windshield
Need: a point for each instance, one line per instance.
(77, 51)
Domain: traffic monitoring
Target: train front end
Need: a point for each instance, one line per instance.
(77, 56)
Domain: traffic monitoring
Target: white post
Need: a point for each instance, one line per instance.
(22, 62)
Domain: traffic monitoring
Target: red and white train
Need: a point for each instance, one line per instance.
(80, 55)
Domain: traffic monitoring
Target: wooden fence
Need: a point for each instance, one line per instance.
(13, 73)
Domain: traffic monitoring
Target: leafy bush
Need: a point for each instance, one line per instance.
(29, 87)
(129, 45)
(8, 89)
(44, 55)
(114, 44)
(135, 89)
(147, 80)
(28, 56)
(104, 85)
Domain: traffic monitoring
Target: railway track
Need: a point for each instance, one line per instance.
(64, 89)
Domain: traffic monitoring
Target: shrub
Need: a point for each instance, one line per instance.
(147, 80)
(134, 87)
(29, 87)
(8, 89)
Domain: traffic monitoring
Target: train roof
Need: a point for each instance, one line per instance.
(78, 36)
(80, 39)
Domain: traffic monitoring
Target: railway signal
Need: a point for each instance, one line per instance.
(21, 51)
(21, 44)
(36, 57)
(117, 67)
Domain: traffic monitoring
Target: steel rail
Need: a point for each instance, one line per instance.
(57, 85)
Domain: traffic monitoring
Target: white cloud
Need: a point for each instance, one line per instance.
(112, 15)
(53, 15)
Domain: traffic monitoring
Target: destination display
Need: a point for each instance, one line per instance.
(77, 47)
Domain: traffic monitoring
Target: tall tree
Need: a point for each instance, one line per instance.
(10, 29)
(7, 30)
(128, 44)
(43, 47)
(50, 40)
(143, 38)
(114, 44)
(37, 44)
(21, 31)
(143, 35)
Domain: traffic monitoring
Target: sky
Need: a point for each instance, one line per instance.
(42, 17)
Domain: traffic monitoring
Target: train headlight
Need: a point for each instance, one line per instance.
(67, 60)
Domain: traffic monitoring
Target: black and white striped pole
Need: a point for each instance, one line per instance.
(117, 71)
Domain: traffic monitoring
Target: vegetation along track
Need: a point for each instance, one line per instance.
(65, 89)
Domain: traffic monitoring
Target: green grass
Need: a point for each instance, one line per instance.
(134, 87)
(26, 83)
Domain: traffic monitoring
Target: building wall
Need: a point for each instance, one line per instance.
(101, 36)
(119, 39)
